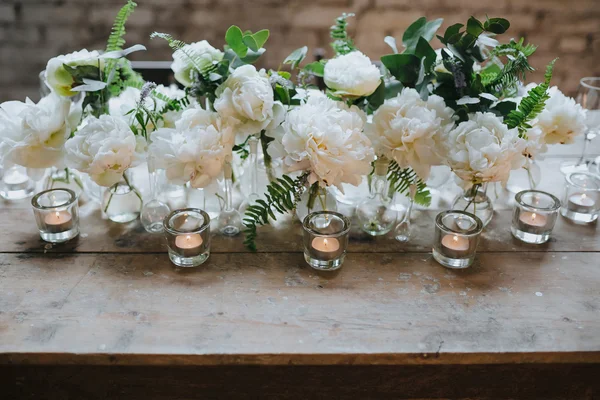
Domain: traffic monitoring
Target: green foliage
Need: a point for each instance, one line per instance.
(282, 196)
(116, 40)
(243, 42)
(505, 81)
(401, 179)
(342, 43)
(193, 59)
(296, 57)
(421, 28)
(242, 149)
(531, 105)
(316, 68)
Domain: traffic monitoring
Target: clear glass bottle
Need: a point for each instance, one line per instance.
(64, 178)
(16, 183)
(315, 198)
(404, 231)
(251, 175)
(230, 219)
(154, 211)
(475, 201)
(375, 214)
(122, 202)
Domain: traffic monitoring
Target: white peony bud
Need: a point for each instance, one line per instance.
(352, 74)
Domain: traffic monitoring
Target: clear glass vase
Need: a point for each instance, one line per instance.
(16, 183)
(154, 211)
(122, 202)
(230, 219)
(315, 198)
(64, 178)
(250, 179)
(375, 214)
(475, 201)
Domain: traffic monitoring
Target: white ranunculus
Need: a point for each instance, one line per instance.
(246, 98)
(325, 138)
(409, 130)
(195, 153)
(204, 55)
(483, 149)
(59, 79)
(562, 119)
(104, 148)
(33, 135)
(352, 74)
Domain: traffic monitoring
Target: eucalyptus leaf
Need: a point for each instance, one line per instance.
(235, 40)
(250, 42)
(377, 98)
(392, 89)
(390, 41)
(496, 25)
(404, 67)
(123, 53)
(426, 52)
(89, 85)
(316, 68)
(261, 37)
(467, 100)
(474, 27)
(420, 28)
(296, 57)
(82, 71)
(282, 94)
(503, 108)
(252, 56)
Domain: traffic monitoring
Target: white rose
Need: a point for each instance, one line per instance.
(195, 154)
(59, 79)
(33, 135)
(483, 149)
(204, 55)
(408, 130)
(562, 119)
(246, 98)
(325, 138)
(104, 148)
(352, 74)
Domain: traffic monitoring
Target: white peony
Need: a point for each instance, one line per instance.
(204, 55)
(408, 130)
(104, 148)
(352, 74)
(483, 149)
(195, 152)
(562, 119)
(59, 79)
(535, 145)
(33, 135)
(325, 138)
(246, 98)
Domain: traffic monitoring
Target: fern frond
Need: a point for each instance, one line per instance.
(282, 196)
(116, 40)
(342, 43)
(505, 82)
(401, 179)
(193, 59)
(513, 48)
(531, 105)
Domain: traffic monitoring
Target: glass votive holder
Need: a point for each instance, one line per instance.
(188, 236)
(325, 239)
(57, 214)
(456, 237)
(534, 216)
(582, 197)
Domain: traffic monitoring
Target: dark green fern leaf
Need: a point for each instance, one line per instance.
(531, 105)
(116, 40)
(505, 82)
(342, 43)
(401, 179)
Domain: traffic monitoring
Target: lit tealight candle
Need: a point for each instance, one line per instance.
(189, 244)
(326, 248)
(58, 221)
(581, 203)
(533, 219)
(455, 246)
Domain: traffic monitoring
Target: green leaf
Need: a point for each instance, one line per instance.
(82, 71)
(250, 42)
(252, 56)
(235, 40)
(393, 89)
(452, 31)
(377, 98)
(296, 57)
(284, 74)
(420, 28)
(496, 25)
(503, 108)
(316, 68)
(405, 67)
(261, 37)
(474, 27)
(282, 94)
(426, 52)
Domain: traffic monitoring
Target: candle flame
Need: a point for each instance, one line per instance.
(325, 242)
(455, 238)
(57, 215)
(187, 237)
(583, 196)
(533, 216)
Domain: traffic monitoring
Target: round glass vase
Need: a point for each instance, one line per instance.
(315, 198)
(325, 239)
(375, 214)
(456, 238)
(187, 232)
(57, 215)
(122, 202)
(16, 183)
(534, 216)
(475, 201)
(581, 203)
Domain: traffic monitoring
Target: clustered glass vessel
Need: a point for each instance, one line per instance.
(456, 237)
(188, 237)
(57, 215)
(16, 184)
(581, 203)
(534, 216)
(325, 239)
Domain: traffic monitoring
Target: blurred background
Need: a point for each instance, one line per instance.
(33, 31)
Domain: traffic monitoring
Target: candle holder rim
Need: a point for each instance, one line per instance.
(584, 82)
(35, 200)
(472, 232)
(554, 206)
(200, 229)
(590, 175)
(344, 219)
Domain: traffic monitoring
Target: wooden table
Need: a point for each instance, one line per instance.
(108, 316)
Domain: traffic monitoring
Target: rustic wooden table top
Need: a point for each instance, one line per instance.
(111, 297)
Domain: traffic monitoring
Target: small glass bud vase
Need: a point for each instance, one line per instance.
(375, 213)
(315, 198)
(534, 216)
(476, 201)
(188, 237)
(456, 237)
(122, 202)
(325, 239)
(57, 215)
(581, 203)
(16, 184)
(64, 178)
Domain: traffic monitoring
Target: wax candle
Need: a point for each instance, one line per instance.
(58, 221)
(455, 246)
(531, 222)
(581, 203)
(189, 245)
(326, 248)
